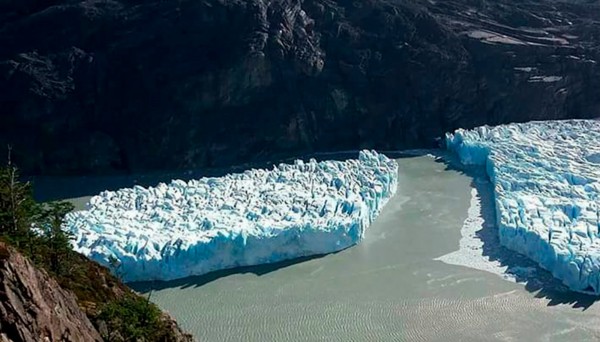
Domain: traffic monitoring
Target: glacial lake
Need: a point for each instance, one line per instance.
(429, 269)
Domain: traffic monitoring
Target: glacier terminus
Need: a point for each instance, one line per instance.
(259, 216)
(546, 178)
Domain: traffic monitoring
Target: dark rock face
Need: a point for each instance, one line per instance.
(33, 307)
(96, 86)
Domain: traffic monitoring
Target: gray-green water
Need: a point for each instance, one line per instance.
(391, 287)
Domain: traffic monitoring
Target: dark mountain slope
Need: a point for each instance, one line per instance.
(97, 86)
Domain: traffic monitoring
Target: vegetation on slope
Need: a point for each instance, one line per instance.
(35, 230)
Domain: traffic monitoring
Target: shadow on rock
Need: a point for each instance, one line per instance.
(518, 267)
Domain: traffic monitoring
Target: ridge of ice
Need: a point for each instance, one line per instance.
(259, 216)
(546, 191)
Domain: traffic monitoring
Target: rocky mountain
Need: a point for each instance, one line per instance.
(98, 86)
(33, 307)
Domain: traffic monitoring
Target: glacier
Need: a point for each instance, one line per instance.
(546, 178)
(259, 216)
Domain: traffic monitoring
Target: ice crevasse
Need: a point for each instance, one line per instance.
(259, 216)
(546, 178)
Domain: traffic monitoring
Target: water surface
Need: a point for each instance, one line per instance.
(429, 269)
(408, 280)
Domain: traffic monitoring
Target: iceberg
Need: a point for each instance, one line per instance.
(546, 178)
(259, 216)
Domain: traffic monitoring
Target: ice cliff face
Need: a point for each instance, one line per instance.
(260, 216)
(547, 192)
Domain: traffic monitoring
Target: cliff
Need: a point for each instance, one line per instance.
(35, 307)
(98, 86)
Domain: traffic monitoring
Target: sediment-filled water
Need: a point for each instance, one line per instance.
(430, 269)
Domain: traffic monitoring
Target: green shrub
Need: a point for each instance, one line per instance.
(35, 230)
(132, 318)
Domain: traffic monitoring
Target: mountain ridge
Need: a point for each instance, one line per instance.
(94, 87)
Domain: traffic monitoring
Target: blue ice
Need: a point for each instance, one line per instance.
(259, 216)
(546, 178)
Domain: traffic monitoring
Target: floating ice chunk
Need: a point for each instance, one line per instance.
(545, 79)
(259, 216)
(547, 192)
